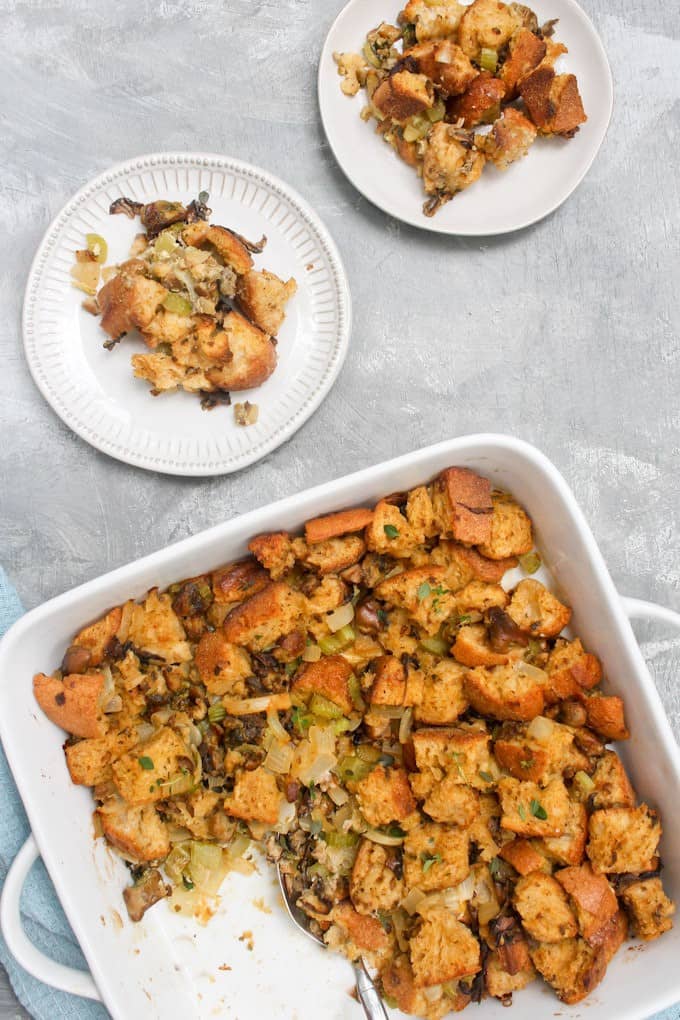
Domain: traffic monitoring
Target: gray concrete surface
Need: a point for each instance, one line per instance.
(565, 334)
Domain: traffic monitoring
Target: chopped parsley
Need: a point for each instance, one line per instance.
(423, 591)
(146, 763)
(390, 530)
(495, 867)
(187, 883)
(486, 776)
(396, 832)
(428, 860)
(383, 617)
(522, 812)
(527, 763)
(537, 810)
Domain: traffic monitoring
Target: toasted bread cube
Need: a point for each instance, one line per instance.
(572, 967)
(165, 374)
(442, 698)
(486, 24)
(478, 597)
(433, 19)
(542, 904)
(452, 162)
(332, 555)
(525, 52)
(461, 753)
(593, 899)
(510, 532)
(222, 666)
(398, 983)
(98, 636)
(462, 502)
(129, 300)
(275, 552)
(500, 981)
(264, 617)
(623, 839)
(571, 670)
(196, 812)
(156, 629)
(443, 949)
(649, 909)
(504, 692)
(525, 804)
(74, 703)
(510, 138)
(605, 716)
(227, 245)
(570, 847)
(329, 677)
(250, 358)
(536, 611)
(158, 768)
(361, 934)
(612, 786)
(471, 647)
(389, 686)
(480, 103)
(374, 885)
(385, 796)
(88, 761)
(404, 94)
(238, 581)
(390, 533)
(137, 832)
(491, 571)
(263, 297)
(167, 328)
(526, 757)
(435, 856)
(256, 797)
(452, 804)
(445, 64)
(553, 101)
(420, 514)
(345, 522)
(524, 857)
(422, 592)
(480, 834)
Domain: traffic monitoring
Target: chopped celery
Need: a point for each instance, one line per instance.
(530, 562)
(165, 243)
(97, 246)
(352, 768)
(216, 712)
(176, 303)
(340, 839)
(435, 645)
(324, 708)
(488, 60)
(354, 687)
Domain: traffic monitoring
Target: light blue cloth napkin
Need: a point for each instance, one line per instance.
(43, 918)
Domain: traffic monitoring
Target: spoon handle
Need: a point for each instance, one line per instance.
(368, 994)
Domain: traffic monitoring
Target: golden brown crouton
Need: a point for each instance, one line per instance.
(328, 677)
(510, 530)
(275, 552)
(483, 568)
(397, 983)
(250, 357)
(593, 899)
(422, 592)
(160, 767)
(500, 981)
(524, 857)
(451, 163)
(570, 847)
(227, 245)
(542, 904)
(510, 138)
(166, 374)
(156, 629)
(330, 593)
(480, 103)
(525, 52)
(605, 716)
(420, 514)
(352, 68)
(536, 611)
(390, 533)
(167, 328)
(363, 932)
(531, 810)
(136, 832)
(256, 797)
(264, 617)
(238, 581)
(526, 757)
(129, 301)
(98, 636)
(461, 753)
(263, 297)
(504, 692)
(612, 786)
(404, 94)
(472, 647)
(332, 555)
(389, 686)
(478, 597)
(649, 909)
(451, 803)
(385, 796)
(571, 670)
(442, 697)
(445, 64)
(432, 19)
(345, 522)
(462, 502)
(195, 812)
(623, 839)
(73, 703)
(486, 24)
(572, 967)
(553, 101)
(442, 950)
(374, 885)
(222, 666)
(435, 856)
(88, 760)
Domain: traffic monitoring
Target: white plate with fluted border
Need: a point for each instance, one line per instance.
(93, 390)
(497, 203)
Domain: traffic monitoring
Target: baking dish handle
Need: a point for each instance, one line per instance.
(66, 979)
(639, 609)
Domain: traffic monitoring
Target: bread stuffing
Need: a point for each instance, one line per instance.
(386, 704)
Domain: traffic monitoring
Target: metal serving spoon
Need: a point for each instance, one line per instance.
(367, 993)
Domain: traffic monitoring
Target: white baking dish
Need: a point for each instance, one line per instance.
(167, 966)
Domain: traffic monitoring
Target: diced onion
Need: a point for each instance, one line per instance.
(412, 900)
(125, 620)
(540, 729)
(488, 910)
(312, 653)
(279, 758)
(338, 795)
(433, 993)
(446, 52)
(387, 711)
(376, 836)
(144, 731)
(249, 706)
(405, 726)
(207, 867)
(238, 846)
(584, 783)
(533, 672)
(287, 815)
(318, 768)
(275, 725)
(114, 705)
(322, 739)
(340, 617)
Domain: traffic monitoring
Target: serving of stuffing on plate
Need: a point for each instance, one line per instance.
(454, 88)
(190, 289)
(422, 748)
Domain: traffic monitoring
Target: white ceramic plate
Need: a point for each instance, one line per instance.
(168, 967)
(94, 391)
(499, 202)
